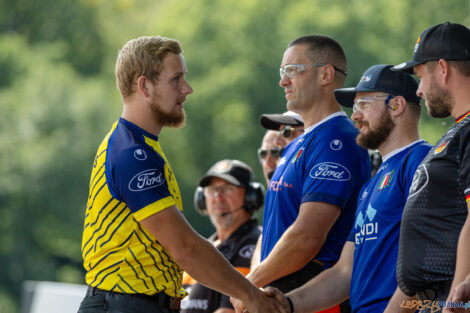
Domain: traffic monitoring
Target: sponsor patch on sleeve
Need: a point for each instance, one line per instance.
(146, 180)
(330, 171)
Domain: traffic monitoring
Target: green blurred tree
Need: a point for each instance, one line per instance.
(50, 127)
(72, 23)
(58, 98)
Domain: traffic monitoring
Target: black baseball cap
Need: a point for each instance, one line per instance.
(235, 172)
(380, 78)
(446, 41)
(275, 121)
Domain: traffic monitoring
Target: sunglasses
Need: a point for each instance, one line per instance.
(289, 131)
(275, 153)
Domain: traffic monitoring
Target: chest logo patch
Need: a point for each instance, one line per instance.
(336, 145)
(247, 251)
(145, 180)
(441, 147)
(140, 154)
(420, 180)
(386, 180)
(330, 171)
(298, 155)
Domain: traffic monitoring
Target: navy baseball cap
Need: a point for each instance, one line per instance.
(380, 78)
(235, 172)
(446, 41)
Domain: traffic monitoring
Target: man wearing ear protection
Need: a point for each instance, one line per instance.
(386, 111)
(229, 196)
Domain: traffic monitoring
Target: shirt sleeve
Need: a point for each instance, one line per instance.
(139, 181)
(465, 161)
(352, 235)
(413, 160)
(334, 165)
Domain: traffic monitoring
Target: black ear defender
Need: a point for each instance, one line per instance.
(200, 201)
(253, 201)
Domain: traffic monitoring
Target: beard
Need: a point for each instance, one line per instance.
(375, 137)
(222, 221)
(438, 101)
(174, 119)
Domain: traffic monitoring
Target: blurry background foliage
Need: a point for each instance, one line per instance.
(58, 99)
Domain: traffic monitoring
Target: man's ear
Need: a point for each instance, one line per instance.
(328, 74)
(142, 86)
(444, 70)
(397, 105)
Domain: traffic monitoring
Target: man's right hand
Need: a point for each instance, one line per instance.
(279, 296)
(271, 300)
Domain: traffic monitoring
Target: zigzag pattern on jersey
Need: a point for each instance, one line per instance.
(134, 263)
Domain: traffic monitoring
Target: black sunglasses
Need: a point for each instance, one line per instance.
(288, 131)
(275, 153)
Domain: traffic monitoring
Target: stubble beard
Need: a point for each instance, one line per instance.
(375, 137)
(222, 221)
(174, 119)
(438, 101)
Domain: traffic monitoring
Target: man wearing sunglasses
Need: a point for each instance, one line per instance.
(282, 129)
(386, 111)
(311, 199)
(269, 153)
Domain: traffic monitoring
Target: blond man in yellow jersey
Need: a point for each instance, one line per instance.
(136, 241)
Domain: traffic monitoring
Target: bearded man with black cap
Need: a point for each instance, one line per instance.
(435, 238)
(228, 194)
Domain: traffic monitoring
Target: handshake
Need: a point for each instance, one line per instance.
(270, 299)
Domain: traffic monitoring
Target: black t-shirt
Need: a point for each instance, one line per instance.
(238, 250)
(435, 212)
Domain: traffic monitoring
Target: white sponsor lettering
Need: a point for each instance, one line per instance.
(145, 180)
(368, 231)
(330, 171)
(198, 304)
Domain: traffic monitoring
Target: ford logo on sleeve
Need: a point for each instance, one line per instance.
(145, 180)
(330, 171)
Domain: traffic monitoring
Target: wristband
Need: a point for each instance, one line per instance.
(291, 305)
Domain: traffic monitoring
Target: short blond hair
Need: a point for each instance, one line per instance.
(142, 56)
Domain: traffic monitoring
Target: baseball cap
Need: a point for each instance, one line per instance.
(275, 121)
(235, 172)
(380, 78)
(446, 41)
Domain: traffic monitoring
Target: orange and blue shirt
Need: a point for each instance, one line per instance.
(130, 181)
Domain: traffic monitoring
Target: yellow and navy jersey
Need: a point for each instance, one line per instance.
(130, 181)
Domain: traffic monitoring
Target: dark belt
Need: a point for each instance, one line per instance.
(161, 298)
(297, 279)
